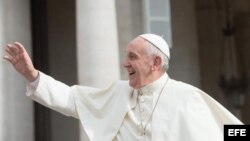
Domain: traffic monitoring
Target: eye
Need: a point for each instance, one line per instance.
(132, 56)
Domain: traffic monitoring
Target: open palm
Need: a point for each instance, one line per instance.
(19, 58)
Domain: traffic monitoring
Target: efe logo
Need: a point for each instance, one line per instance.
(236, 132)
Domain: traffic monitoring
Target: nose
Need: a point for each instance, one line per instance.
(125, 64)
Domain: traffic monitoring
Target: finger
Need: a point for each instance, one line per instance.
(14, 50)
(9, 51)
(14, 60)
(20, 47)
(8, 58)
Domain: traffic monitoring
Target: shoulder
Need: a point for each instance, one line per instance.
(189, 91)
(185, 93)
(182, 87)
(191, 97)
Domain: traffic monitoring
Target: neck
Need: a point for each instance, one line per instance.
(155, 77)
(154, 86)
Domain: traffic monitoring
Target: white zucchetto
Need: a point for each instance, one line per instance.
(158, 42)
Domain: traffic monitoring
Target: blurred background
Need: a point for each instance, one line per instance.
(83, 42)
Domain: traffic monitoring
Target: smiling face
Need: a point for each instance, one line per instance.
(139, 64)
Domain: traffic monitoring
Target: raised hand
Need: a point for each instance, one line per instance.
(19, 58)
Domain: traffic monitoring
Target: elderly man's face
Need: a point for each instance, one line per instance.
(138, 63)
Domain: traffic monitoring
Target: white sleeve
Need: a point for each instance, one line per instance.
(31, 86)
(52, 94)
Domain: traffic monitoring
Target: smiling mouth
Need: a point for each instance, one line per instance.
(131, 73)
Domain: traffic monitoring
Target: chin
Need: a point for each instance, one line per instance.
(131, 83)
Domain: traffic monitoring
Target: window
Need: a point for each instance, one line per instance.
(157, 18)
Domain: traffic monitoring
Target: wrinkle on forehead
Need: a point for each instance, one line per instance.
(138, 44)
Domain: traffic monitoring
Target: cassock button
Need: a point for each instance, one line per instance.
(142, 100)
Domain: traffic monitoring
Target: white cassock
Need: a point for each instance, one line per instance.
(182, 113)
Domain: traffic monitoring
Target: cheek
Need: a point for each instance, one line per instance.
(146, 67)
(141, 67)
(134, 65)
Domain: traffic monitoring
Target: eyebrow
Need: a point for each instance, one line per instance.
(132, 53)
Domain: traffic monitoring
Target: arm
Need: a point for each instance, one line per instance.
(49, 92)
(53, 94)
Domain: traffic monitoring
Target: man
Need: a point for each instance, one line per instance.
(151, 106)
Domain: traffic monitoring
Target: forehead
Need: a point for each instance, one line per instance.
(137, 45)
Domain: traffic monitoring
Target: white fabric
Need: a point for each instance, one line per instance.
(53, 94)
(158, 42)
(184, 113)
(131, 129)
(34, 84)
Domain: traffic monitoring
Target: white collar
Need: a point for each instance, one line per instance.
(154, 86)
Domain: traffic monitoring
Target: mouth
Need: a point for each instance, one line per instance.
(131, 73)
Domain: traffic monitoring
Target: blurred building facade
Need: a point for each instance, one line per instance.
(83, 42)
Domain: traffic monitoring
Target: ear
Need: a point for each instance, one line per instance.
(157, 63)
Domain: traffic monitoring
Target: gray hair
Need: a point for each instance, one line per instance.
(154, 51)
